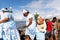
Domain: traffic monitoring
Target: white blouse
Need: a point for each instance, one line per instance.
(42, 27)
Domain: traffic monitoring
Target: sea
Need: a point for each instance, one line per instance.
(20, 24)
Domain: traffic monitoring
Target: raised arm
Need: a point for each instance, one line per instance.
(4, 20)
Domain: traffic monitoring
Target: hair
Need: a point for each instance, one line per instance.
(27, 36)
(46, 19)
(20, 31)
(54, 19)
(6, 8)
(27, 12)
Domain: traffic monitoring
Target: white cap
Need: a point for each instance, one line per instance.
(24, 10)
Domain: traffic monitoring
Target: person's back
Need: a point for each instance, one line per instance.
(49, 31)
(49, 26)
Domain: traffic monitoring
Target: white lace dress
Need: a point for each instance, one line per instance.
(8, 30)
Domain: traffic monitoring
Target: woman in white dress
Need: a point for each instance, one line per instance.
(9, 30)
(40, 29)
(30, 24)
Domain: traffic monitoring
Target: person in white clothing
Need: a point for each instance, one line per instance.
(30, 24)
(40, 29)
(8, 29)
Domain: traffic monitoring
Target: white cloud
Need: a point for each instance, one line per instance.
(55, 4)
(38, 5)
(44, 7)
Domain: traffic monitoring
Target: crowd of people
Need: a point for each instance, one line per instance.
(43, 29)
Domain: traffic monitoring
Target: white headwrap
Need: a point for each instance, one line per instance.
(24, 11)
(40, 16)
(3, 9)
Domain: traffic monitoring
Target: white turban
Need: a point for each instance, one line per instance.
(3, 9)
(40, 16)
(25, 11)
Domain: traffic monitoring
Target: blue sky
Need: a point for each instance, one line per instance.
(45, 8)
(14, 3)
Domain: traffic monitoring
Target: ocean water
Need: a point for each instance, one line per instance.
(20, 24)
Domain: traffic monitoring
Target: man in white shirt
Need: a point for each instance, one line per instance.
(30, 24)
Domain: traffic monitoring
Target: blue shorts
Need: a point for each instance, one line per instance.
(54, 32)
